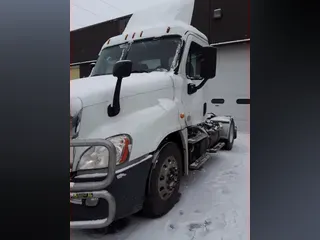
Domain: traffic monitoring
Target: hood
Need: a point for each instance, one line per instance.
(94, 90)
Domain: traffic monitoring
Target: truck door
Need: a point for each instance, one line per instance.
(194, 104)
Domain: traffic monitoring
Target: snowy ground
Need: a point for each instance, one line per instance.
(215, 204)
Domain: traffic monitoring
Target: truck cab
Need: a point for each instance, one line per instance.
(139, 123)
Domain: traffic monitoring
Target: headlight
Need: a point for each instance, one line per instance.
(98, 157)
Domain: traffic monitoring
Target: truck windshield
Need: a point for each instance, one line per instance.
(146, 55)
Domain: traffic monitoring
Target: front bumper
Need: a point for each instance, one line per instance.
(96, 189)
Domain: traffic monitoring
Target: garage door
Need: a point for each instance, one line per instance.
(229, 92)
(74, 72)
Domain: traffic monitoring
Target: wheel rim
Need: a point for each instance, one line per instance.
(168, 178)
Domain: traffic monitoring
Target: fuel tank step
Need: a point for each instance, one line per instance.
(200, 161)
(216, 148)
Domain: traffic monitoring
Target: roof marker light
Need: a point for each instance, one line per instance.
(141, 33)
(168, 29)
(133, 35)
(108, 41)
(126, 37)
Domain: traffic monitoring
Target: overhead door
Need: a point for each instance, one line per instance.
(229, 92)
(74, 72)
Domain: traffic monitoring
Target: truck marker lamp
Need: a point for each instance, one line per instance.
(141, 33)
(98, 157)
(125, 150)
(133, 35)
(108, 41)
(123, 146)
(168, 29)
(126, 37)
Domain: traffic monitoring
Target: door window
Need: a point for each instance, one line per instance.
(193, 66)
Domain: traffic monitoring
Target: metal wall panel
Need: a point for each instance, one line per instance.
(229, 92)
(234, 24)
(85, 70)
(86, 43)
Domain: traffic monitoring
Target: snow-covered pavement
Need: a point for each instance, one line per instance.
(214, 205)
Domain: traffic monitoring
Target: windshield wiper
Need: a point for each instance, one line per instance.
(159, 69)
(97, 74)
(100, 74)
(140, 71)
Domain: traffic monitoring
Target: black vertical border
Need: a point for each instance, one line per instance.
(284, 119)
(285, 113)
(34, 126)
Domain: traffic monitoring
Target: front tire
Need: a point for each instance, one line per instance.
(164, 182)
(231, 137)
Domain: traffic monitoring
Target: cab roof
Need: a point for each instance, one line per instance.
(167, 18)
(176, 28)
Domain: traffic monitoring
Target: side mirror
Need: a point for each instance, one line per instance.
(208, 68)
(122, 69)
(209, 62)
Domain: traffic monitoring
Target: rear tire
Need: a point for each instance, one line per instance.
(229, 142)
(164, 182)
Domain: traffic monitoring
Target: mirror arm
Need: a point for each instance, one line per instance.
(192, 88)
(114, 109)
(202, 83)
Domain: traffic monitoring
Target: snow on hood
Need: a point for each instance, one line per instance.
(94, 90)
(161, 14)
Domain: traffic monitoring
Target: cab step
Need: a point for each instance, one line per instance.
(199, 162)
(216, 148)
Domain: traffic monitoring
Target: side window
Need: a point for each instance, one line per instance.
(193, 66)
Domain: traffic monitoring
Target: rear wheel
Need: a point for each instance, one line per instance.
(230, 140)
(164, 182)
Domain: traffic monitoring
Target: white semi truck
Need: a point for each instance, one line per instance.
(139, 122)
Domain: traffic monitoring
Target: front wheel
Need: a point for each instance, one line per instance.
(231, 137)
(164, 182)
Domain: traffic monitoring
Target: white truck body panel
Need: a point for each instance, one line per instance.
(149, 111)
(98, 89)
(193, 103)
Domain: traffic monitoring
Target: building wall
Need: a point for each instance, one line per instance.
(233, 25)
(229, 92)
(85, 43)
(80, 71)
(74, 72)
(85, 70)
